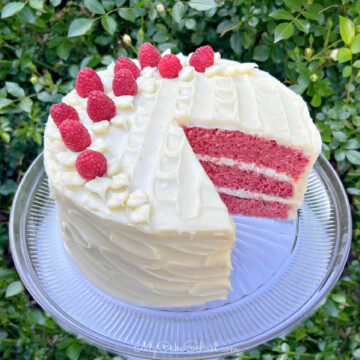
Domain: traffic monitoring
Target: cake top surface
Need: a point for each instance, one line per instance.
(153, 179)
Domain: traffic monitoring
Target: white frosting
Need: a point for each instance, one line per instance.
(100, 127)
(141, 214)
(117, 200)
(155, 217)
(99, 186)
(120, 181)
(136, 198)
(113, 167)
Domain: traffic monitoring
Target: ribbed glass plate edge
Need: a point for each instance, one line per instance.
(18, 218)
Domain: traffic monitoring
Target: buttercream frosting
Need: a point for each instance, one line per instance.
(155, 217)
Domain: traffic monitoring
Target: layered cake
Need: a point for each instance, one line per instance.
(148, 159)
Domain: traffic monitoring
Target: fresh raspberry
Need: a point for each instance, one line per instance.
(169, 66)
(91, 164)
(149, 56)
(202, 58)
(87, 81)
(60, 112)
(125, 63)
(124, 83)
(75, 135)
(100, 106)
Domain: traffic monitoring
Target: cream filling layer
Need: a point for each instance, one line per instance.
(245, 166)
(241, 193)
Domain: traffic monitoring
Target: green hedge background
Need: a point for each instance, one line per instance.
(312, 46)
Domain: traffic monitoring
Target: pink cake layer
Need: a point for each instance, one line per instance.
(235, 178)
(253, 207)
(246, 148)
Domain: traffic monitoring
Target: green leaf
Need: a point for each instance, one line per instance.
(94, 6)
(45, 97)
(90, 61)
(109, 24)
(285, 347)
(7, 274)
(202, 5)
(325, 150)
(168, 45)
(281, 14)
(79, 27)
(63, 50)
(316, 100)
(347, 30)
(356, 353)
(353, 156)
(330, 308)
(339, 136)
(235, 42)
(153, 14)
(5, 136)
(283, 31)
(246, 40)
(178, 11)
(313, 12)
(356, 64)
(14, 289)
(224, 25)
(353, 144)
(261, 52)
(4, 103)
(8, 187)
(26, 105)
(37, 138)
(14, 89)
(65, 343)
(299, 334)
(190, 24)
(302, 25)
(355, 45)
(27, 15)
(3, 92)
(346, 71)
(340, 155)
(11, 9)
(197, 38)
(343, 55)
(54, 42)
(37, 317)
(339, 298)
(55, 2)
(293, 4)
(277, 54)
(107, 60)
(37, 4)
(73, 351)
(127, 14)
(161, 36)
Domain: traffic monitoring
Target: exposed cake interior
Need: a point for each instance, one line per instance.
(253, 175)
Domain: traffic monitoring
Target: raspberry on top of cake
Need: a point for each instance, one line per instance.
(148, 158)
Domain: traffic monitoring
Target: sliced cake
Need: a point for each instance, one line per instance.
(148, 159)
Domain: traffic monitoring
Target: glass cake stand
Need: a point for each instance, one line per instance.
(283, 271)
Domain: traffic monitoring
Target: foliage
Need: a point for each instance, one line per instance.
(312, 46)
